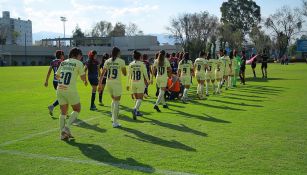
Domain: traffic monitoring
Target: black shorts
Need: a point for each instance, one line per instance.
(253, 65)
(264, 65)
(93, 81)
(242, 69)
(104, 81)
(55, 84)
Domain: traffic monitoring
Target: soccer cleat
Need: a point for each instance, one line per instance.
(165, 106)
(93, 107)
(101, 104)
(68, 133)
(64, 136)
(183, 100)
(138, 113)
(157, 108)
(116, 125)
(134, 114)
(50, 108)
(207, 94)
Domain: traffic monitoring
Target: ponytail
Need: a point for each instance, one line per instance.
(161, 58)
(115, 53)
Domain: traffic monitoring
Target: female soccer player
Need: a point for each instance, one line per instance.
(231, 69)
(264, 65)
(137, 80)
(235, 67)
(184, 72)
(149, 73)
(253, 65)
(104, 78)
(54, 65)
(200, 66)
(242, 68)
(163, 70)
(113, 66)
(67, 93)
(92, 66)
(218, 74)
(210, 77)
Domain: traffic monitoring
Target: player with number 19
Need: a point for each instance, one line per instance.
(137, 80)
(114, 66)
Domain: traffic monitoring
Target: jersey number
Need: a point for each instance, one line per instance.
(66, 77)
(184, 70)
(198, 67)
(136, 75)
(161, 70)
(209, 68)
(114, 74)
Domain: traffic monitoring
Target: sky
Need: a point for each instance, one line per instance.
(151, 16)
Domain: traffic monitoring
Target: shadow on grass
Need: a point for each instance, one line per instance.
(83, 124)
(182, 127)
(99, 154)
(140, 136)
(217, 107)
(239, 104)
(266, 79)
(238, 98)
(204, 117)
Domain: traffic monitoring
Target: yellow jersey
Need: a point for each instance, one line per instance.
(185, 68)
(200, 65)
(162, 70)
(137, 72)
(68, 72)
(114, 69)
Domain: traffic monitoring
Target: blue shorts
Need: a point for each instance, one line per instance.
(93, 81)
(55, 84)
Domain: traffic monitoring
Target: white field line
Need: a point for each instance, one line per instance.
(40, 133)
(92, 162)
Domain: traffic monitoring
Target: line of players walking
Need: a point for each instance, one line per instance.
(173, 74)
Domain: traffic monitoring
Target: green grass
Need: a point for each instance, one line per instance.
(260, 128)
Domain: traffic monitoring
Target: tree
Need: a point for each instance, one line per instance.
(3, 34)
(101, 29)
(285, 24)
(260, 39)
(193, 31)
(243, 14)
(230, 34)
(118, 30)
(77, 35)
(132, 30)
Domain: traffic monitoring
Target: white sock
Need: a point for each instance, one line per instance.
(202, 89)
(112, 106)
(218, 87)
(213, 85)
(160, 97)
(138, 104)
(185, 93)
(62, 122)
(207, 88)
(72, 118)
(198, 89)
(115, 111)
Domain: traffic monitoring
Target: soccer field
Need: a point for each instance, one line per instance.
(259, 128)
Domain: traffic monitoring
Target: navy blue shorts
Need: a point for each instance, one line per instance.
(93, 81)
(55, 84)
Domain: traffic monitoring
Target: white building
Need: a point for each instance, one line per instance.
(18, 31)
